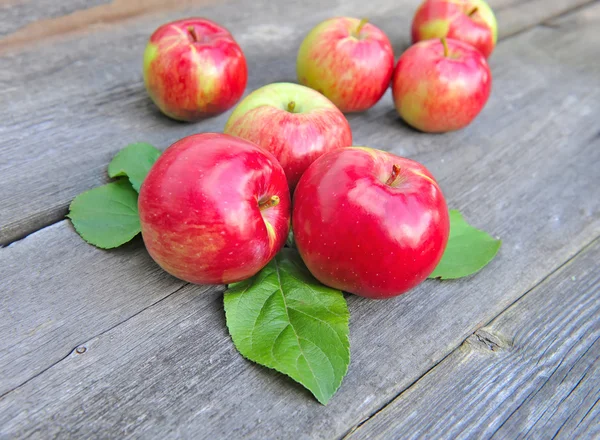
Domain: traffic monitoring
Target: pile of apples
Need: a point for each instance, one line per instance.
(216, 207)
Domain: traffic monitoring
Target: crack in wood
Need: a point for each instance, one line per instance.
(490, 341)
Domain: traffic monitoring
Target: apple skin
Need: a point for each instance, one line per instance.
(193, 68)
(295, 123)
(352, 69)
(437, 93)
(451, 19)
(199, 209)
(359, 232)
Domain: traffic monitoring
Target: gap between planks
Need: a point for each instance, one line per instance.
(540, 383)
(204, 288)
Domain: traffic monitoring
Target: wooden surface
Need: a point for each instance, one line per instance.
(98, 344)
(532, 372)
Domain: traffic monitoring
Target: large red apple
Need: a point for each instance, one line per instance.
(441, 85)
(214, 209)
(295, 123)
(369, 222)
(348, 60)
(193, 68)
(471, 21)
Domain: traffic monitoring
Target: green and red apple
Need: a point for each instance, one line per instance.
(295, 123)
(193, 68)
(471, 21)
(214, 209)
(441, 85)
(348, 60)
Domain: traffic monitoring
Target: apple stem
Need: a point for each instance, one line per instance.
(470, 14)
(192, 33)
(394, 176)
(360, 26)
(291, 106)
(445, 44)
(272, 201)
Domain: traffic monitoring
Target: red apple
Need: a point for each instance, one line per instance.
(348, 60)
(471, 21)
(214, 209)
(193, 68)
(441, 85)
(369, 222)
(295, 123)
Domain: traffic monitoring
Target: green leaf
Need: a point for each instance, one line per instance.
(134, 161)
(106, 216)
(283, 318)
(468, 251)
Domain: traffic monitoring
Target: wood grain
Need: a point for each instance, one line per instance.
(58, 291)
(16, 15)
(71, 104)
(30, 22)
(533, 372)
(521, 15)
(526, 170)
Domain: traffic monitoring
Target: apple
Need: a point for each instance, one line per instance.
(368, 222)
(471, 21)
(441, 85)
(193, 68)
(214, 209)
(348, 60)
(295, 123)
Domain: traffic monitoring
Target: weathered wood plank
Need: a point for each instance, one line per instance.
(171, 369)
(56, 293)
(17, 14)
(25, 22)
(518, 16)
(71, 108)
(533, 372)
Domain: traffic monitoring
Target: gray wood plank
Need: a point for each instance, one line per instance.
(171, 370)
(533, 372)
(518, 16)
(27, 22)
(17, 14)
(58, 291)
(72, 104)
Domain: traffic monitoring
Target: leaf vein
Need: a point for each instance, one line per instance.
(295, 332)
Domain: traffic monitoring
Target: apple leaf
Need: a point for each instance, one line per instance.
(106, 216)
(134, 161)
(284, 319)
(468, 250)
